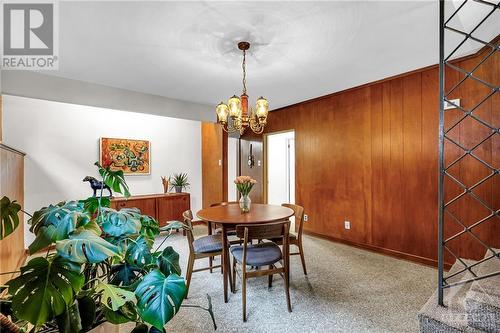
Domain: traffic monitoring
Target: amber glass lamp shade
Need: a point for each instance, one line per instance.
(222, 111)
(261, 108)
(234, 105)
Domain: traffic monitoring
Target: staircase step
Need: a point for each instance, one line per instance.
(453, 317)
(483, 299)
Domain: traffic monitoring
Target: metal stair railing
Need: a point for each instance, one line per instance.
(444, 206)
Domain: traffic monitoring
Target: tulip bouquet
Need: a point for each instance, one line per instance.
(244, 184)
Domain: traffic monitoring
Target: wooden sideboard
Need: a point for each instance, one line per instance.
(163, 207)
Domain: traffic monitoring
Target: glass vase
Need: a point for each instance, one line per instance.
(245, 203)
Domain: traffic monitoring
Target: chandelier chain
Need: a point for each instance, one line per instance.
(244, 73)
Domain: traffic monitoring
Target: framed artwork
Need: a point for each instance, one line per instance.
(133, 157)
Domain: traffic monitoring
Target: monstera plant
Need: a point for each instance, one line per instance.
(97, 265)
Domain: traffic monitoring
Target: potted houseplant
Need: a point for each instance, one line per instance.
(105, 268)
(179, 182)
(244, 185)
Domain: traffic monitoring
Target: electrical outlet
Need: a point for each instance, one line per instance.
(347, 225)
(306, 217)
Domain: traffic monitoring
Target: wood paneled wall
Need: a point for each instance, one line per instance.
(370, 155)
(12, 251)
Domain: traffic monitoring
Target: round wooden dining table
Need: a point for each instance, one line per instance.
(230, 215)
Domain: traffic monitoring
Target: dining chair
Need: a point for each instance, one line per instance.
(203, 247)
(218, 229)
(296, 239)
(261, 255)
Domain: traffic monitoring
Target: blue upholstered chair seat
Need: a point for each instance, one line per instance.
(259, 254)
(210, 243)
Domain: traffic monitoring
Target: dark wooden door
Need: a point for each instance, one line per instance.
(253, 147)
(214, 164)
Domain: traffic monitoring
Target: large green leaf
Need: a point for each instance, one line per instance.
(127, 221)
(45, 289)
(126, 313)
(114, 179)
(159, 297)
(45, 237)
(124, 274)
(168, 261)
(114, 297)
(56, 222)
(53, 214)
(69, 321)
(9, 216)
(91, 204)
(86, 246)
(87, 308)
(139, 252)
(91, 226)
(149, 227)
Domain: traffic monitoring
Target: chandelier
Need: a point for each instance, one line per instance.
(235, 116)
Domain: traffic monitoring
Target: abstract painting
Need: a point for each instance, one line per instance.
(133, 157)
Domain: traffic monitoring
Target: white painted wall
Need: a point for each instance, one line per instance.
(61, 142)
(280, 168)
(232, 168)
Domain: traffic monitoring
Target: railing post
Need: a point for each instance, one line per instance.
(441, 154)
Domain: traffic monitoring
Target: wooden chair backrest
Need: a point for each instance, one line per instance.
(223, 203)
(188, 219)
(299, 216)
(264, 231)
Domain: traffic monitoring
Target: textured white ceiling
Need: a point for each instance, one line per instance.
(300, 50)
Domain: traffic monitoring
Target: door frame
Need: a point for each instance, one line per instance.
(265, 164)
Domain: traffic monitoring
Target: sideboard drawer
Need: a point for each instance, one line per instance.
(162, 207)
(146, 206)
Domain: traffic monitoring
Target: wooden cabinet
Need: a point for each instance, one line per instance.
(173, 208)
(163, 207)
(146, 206)
(214, 163)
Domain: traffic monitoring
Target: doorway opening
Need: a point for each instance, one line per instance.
(280, 168)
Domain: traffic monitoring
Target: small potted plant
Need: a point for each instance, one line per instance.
(179, 181)
(244, 184)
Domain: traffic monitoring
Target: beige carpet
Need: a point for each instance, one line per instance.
(347, 290)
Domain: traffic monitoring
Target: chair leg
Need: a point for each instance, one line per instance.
(244, 295)
(189, 272)
(221, 260)
(210, 263)
(287, 291)
(270, 278)
(234, 276)
(301, 250)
